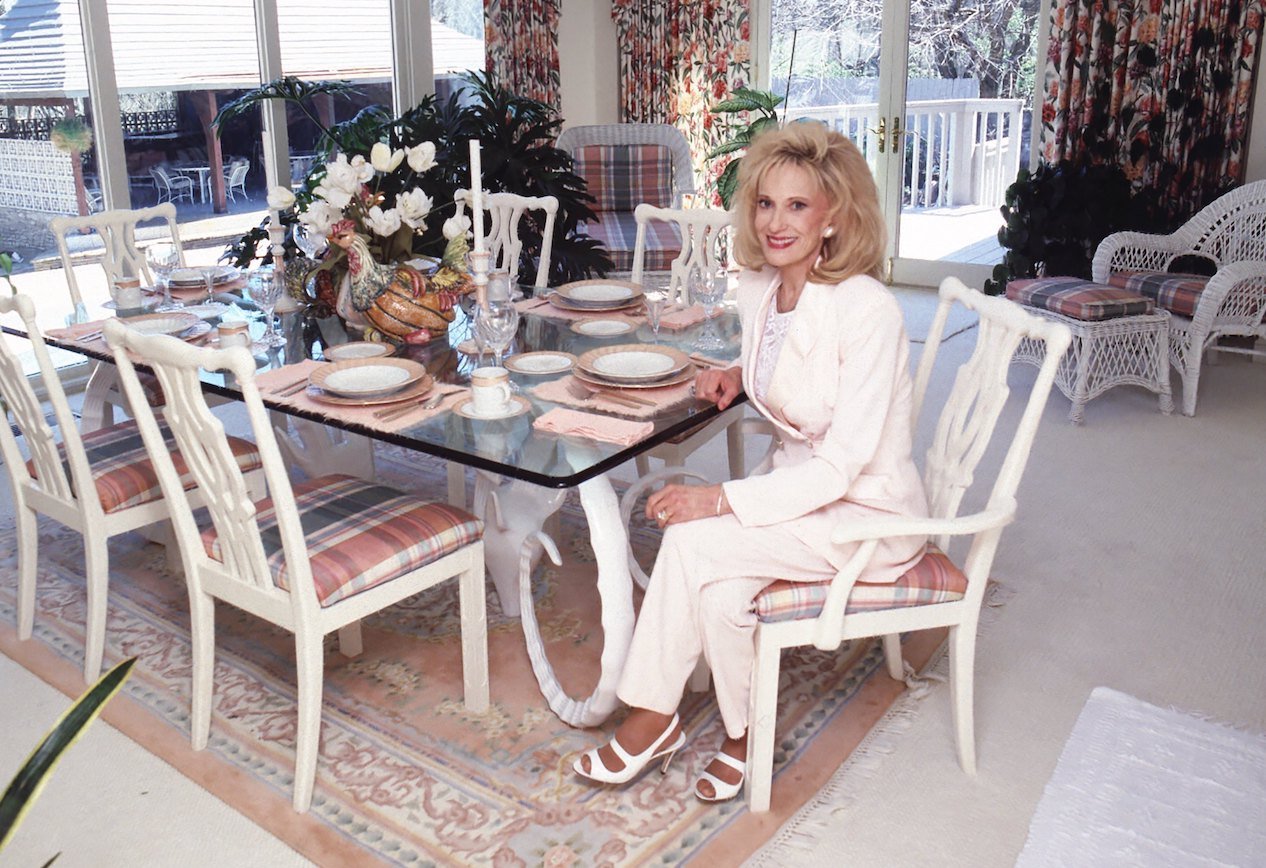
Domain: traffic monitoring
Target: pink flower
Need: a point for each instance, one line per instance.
(559, 856)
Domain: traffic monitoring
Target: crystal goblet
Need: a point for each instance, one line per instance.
(264, 290)
(495, 325)
(707, 289)
(163, 258)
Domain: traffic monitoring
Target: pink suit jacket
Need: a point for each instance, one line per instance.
(840, 398)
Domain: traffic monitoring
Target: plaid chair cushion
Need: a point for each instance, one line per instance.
(1077, 298)
(121, 469)
(1175, 292)
(621, 177)
(617, 230)
(360, 534)
(934, 579)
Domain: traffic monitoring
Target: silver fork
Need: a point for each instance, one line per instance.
(585, 392)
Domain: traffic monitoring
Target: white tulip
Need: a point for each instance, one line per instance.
(320, 217)
(337, 197)
(413, 207)
(455, 226)
(421, 156)
(280, 198)
(364, 170)
(383, 159)
(384, 223)
(341, 175)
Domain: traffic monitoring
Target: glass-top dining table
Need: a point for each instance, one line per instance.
(523, 472)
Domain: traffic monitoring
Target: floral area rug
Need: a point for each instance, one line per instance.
(406, 775)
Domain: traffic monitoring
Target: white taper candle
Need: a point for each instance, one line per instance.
(477, 195)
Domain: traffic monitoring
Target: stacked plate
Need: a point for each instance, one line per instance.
(175, 322)
(595, 296)
(195, 278)
(362, 382)
(634, 366)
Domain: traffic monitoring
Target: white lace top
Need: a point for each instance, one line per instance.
(771, 340)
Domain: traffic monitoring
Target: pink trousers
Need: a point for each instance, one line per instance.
(699, 601)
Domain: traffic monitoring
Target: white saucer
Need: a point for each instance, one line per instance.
(518, 406)
(602, 328)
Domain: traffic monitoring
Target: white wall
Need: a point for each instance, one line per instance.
(1255, 159)
(587, 63)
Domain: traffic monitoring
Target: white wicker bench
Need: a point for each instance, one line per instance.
(1114, 344)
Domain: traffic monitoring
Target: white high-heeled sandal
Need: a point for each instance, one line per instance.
(633, 765)
(722, 791)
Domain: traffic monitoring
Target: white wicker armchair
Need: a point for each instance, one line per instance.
(1231, 233)
(573, 139)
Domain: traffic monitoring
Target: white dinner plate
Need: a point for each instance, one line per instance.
(540, 363)
(366, 378)
(162, 323)
(210, 310)
(635, 364)
(600, 293)
(356, 350)
(602, 328)
(191, 277)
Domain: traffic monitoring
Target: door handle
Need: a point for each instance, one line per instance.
(882, 133)
(897, 132)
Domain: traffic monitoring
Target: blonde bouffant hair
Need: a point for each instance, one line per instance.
(856, 245)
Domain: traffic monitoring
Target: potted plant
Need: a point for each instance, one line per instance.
(761, 108)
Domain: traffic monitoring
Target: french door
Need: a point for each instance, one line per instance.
(938, 106)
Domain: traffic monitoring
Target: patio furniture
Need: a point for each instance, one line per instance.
(313, 558)
(1119, 339)
(171, 186)
(100, 484)
(935, 592)
(235, 178)
(502, 232)
(625, 165)
(1229, 235)
(120, 258)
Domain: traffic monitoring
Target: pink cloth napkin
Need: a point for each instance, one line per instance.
(684, 318)
(557, 392)
(73, 332)
(279, 379)
(622, 432)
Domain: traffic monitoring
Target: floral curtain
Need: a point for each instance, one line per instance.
(1160, 87)
(677, 59)
(521, 43)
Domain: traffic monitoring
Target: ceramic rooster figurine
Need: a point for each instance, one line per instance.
(396, 299)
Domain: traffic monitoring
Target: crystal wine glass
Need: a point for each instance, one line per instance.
(707, 288)
(163, 258)
(265, 289)
(655, 302)
(311, 244)
(495, 325)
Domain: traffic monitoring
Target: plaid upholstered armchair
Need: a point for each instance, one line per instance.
(626, 165)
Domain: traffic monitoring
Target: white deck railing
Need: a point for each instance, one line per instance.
(957, 151)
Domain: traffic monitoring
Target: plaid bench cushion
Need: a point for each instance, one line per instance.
(122, 472)
(360, 534)
(1077, 298)
(621, 177)
(617, 230)
(934, 579)
(1179, 293)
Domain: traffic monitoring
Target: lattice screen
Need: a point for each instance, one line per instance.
(35, 176)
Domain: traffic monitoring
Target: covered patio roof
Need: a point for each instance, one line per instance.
(188, 45)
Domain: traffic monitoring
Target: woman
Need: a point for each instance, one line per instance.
(824, 358)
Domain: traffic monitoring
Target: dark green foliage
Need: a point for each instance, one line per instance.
(761, 107)
(518, 154)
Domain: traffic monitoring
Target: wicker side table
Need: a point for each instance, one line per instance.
(1122, 351)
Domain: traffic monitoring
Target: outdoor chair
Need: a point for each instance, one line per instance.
(935, 592)
(625, 165)
(502, 234)
(120, 257)
(1230, 236)
(235, 178)
(100, 484)
(171, 186)
(313, 558)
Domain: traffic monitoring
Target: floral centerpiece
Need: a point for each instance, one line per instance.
(371, 217)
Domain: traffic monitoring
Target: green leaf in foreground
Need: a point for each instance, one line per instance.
(30, 779)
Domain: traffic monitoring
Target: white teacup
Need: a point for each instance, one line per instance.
(126, 292)
(490, 391)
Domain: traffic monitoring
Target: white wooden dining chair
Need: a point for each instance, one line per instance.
(935, 592)
(313, 558)
(99, 483)
(503, 230)
(120, 257)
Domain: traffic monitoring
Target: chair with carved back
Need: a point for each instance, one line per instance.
(99, 483)
(120, 257)
(1228, 236)
(935, 592)
(313, 558)
(503, 230)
